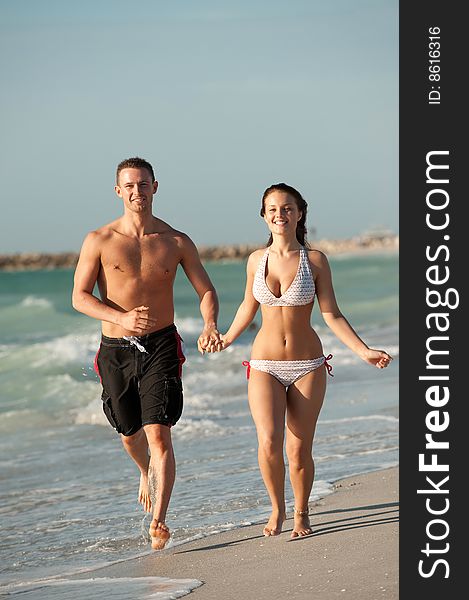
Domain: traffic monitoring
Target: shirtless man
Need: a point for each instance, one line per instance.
(133, 260)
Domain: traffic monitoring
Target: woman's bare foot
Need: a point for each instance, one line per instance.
(159, 534)
(274, 525)
(144, 493)
(302, 526)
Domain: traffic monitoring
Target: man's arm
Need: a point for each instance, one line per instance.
(135, 321)
(209, 339)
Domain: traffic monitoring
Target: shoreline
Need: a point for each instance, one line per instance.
(365, 244)
(353, 552)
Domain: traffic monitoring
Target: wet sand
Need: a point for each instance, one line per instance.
(352, 554)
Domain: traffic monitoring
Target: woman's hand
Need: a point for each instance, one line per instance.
(377, 358)
(224, 341)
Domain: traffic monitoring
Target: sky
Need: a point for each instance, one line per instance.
(222, 98)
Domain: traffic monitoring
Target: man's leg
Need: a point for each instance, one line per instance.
(162, 473)
(136, 446)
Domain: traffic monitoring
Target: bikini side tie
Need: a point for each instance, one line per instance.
(247, 364)
(328, 366)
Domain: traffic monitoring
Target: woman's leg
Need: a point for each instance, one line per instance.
(304, 402)
(267, 401)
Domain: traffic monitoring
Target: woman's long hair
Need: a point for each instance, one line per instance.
(300, 203)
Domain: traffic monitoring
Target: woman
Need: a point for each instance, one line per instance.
(288, 369)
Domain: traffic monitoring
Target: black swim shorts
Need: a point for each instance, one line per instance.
(141, 379)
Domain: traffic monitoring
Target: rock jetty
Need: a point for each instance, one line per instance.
(24, 261)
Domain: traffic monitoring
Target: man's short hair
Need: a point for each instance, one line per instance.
(134, 163)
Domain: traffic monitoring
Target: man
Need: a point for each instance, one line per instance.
(133, 260)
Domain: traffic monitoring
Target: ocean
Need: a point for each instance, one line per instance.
(68, 490)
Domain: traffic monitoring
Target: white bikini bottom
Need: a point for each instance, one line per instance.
(288, 371)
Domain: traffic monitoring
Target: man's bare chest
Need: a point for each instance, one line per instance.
(154, 261)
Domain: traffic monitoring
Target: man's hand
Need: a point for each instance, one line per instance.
(137, 320)
(209, 340)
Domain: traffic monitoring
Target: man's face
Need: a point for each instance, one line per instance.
(136, 189)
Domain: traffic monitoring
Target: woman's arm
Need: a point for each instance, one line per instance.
(335, 320)
(248, 307)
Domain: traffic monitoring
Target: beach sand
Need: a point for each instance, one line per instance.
(352, 554)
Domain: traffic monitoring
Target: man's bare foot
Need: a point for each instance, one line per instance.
(302, 526)
(144, 493)
(159, 534)
(274, 525)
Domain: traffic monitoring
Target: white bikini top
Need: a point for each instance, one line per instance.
(300, 292)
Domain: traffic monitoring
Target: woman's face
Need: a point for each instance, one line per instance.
(281, 213)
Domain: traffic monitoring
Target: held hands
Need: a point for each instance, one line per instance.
(209, 340)
(214, 347)
(137, 320)
(378, 358)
